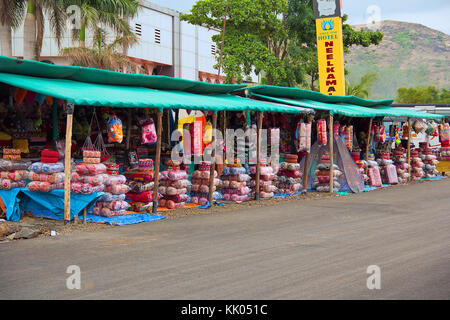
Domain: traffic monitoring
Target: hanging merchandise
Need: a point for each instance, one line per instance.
(196, 131)
(303, 137)
(207, 138)
(419, 126)
(115, 132)
(322, 132)
(149, 132)
(444, 135)
(379, 134)
(349, 137)
(405, 129)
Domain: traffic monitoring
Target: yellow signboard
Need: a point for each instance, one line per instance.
(330, 51)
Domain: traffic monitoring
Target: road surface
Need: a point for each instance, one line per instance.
(318, 249)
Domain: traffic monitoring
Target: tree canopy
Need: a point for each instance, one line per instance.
(276, 38)
(418, 95)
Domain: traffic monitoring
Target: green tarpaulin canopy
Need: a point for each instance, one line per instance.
(347, 110)
(348, 106)
(81, 93)
(296, 93)
(91, 75)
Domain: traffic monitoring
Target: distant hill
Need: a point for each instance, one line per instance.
(409, 55)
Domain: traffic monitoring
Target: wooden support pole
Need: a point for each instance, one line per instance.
(157, 161)
(84, 215)
(67, 162)
(331, 145)
(129, 116)
(306, 167)
(258, 155)
(409, 148)
(369, 134)
(213, 161)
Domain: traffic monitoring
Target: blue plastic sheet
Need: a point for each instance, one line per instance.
(11, 200)
(52, 201)
(115, 221)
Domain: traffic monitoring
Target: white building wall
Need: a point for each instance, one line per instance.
(147, 48)
(192, 49)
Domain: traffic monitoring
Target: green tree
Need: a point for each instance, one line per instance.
(103, 54)
(12, 13)
(418, 95)
(256, 36)
(363, 88)
(112, 14)
(276, 38)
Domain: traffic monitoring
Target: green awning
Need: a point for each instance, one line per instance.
(81, 93)
(91, 75)
(349, 106)
(296, 93)
(347, 110)
(408, 113)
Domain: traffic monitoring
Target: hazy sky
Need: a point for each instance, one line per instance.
(431, 13)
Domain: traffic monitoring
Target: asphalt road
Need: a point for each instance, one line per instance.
(318, 249)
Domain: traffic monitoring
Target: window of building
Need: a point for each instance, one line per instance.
(138, 29)
(157, 36)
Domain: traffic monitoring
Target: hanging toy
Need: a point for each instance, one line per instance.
(115, 132)
(149, 132)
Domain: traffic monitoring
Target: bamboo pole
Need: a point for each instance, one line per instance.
(84, 215)
(409, 149)
(213, 161)
(129, 115)
(331, 145)
(368, 143)
(157, 161)
(306, 167)
(258, 155)
(67, 163)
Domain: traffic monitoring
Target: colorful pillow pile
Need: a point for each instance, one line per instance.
(401, 164)
(200, 185)
(362, 165)
(387, 169)
(235, 183)
(430, 161)
(12, 154)
(173, 187)
(13, 174)
(289, 178)
(140, 182)
(322, 180)
(417, 165)
(49, 156)
(115, 187)
(266, 178)
(46, 176)
(374, 174)
(89, 178)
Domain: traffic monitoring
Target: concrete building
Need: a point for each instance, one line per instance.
(167, 46)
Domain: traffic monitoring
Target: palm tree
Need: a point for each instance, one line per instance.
(11, 16)
(55, 10)
(363, 88)
(112, 14)
(103, 55)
